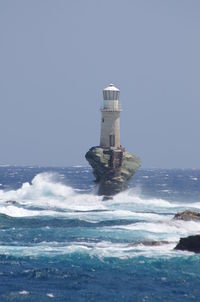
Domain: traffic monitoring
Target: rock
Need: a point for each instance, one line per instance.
(112, 168)
(149, 243)
(188, 215)
(191, 244)
(13, 202)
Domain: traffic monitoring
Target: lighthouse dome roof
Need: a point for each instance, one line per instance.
(111, 87)
(111, 93)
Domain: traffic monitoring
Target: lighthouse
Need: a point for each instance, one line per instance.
(112, 165)
(110, 118)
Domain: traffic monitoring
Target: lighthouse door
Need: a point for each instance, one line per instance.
(112, 140)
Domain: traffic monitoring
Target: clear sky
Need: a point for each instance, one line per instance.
(57, 56)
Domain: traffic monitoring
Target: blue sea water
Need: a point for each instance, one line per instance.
(59, 241)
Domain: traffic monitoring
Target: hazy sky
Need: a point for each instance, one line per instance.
(57, 56)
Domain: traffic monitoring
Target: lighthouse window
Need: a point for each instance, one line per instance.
(102, 120)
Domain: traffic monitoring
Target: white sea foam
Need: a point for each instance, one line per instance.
(46, 196)
(55, 198)
(46, 193)
(172, 229)
(134, 199)
(24, 292)
(50, 295)
(114, 215)
(102, 249)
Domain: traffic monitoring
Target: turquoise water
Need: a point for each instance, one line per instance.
(61, 242)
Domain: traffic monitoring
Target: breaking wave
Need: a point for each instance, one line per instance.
(101, 250)
(46, 193)
(128, 218)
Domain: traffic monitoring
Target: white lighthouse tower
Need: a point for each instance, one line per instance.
(112, 165)
(110, 118)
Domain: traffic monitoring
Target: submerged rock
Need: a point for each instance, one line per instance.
(190, 244)
(188, 215)
(112, 168)
(149, 243)
(13, 202)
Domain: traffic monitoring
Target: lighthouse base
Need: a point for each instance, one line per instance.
(112, 168)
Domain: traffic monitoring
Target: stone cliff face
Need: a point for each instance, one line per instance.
(112, 168)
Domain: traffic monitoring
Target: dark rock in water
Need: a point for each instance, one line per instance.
(13, 202)
(188, 215)
(112, 168)
(106, 197)
(149, 243)
(190, 244)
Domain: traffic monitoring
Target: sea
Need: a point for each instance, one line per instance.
(60, 241)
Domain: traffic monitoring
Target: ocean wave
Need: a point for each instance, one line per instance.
(171, 228)
(45, 195)
(103, 249)
(88, 225)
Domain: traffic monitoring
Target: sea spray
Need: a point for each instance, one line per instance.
(58, 237)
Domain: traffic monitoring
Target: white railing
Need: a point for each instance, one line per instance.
(119, 108)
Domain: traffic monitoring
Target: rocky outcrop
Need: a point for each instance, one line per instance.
(190, 243)
(188, 215)
(112, 168)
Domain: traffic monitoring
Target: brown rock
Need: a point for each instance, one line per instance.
(112, 168)
(188, 215)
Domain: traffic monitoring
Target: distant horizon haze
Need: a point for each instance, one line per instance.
(56, 57)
